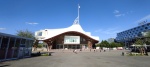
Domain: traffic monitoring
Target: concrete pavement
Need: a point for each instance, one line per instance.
(82, 59)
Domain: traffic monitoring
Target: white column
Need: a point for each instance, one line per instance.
(19, 48)
(24, 49)
(63, 46)
(14, 47)
(30, 45)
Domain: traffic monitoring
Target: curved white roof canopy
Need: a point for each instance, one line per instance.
(49, 33)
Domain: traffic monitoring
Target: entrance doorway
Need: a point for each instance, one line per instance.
(68, 46)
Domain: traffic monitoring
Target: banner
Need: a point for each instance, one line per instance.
(72, 40)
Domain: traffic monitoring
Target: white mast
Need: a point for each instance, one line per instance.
(78, 12)
(76, 21)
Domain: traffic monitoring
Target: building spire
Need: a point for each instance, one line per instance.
(78, 12)
(76, 21)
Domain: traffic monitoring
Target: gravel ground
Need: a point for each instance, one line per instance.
(81, 59)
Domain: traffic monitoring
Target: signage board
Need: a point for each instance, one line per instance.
(72, 40)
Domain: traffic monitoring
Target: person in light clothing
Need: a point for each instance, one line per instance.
(75, 51)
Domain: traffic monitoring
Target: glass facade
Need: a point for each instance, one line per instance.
(70, 41)
(39, 33)
(68, 46)
(14, 47)
(132, 33)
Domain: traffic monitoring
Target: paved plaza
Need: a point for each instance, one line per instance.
(111, 58)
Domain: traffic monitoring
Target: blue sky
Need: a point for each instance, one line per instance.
(103, 18)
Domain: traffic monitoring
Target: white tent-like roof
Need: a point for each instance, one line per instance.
(49, 33)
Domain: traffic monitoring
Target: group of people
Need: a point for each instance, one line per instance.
(75, 50)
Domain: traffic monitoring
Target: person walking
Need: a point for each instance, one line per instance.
(94, 50)
(75, 51)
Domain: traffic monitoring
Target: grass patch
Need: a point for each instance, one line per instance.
(46, 54)
(135, 54)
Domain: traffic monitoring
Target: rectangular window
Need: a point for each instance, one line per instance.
(148, 24)
(39, 33)
(72, 40)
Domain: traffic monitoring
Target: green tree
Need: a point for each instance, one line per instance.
(139, 41)
(28, 34)
(119, 45)
(147, 34)
(147, 37)
(40, 45)
(25, 33)
(98, 45)
(112, 44)
(104, 44)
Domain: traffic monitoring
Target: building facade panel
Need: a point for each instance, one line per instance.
(130, 34)
(58, 42)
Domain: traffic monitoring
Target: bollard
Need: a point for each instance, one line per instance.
(38, 53)
(49, 54)
(122, 53)
(146, 53)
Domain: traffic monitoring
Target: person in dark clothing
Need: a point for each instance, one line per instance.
(146, 53)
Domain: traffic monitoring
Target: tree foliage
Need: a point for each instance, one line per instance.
(104, 44)
(113, 44)
(147, 38)
(25, 33)
(109, 45)
(40, 45)
(147, 34)
(139, 42)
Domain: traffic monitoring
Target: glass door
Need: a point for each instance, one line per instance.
(16, 48)
(10, 48)
(4, 47)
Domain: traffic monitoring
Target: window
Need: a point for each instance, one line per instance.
(39, 33)
(83, 39)
(148, 24)
(142, 25)
(146, 27)
(134, 28)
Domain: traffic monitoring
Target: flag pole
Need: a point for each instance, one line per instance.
(78, 12)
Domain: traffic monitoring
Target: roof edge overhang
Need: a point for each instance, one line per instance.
(78, 33)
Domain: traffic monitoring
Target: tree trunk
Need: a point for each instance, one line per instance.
(35, 45)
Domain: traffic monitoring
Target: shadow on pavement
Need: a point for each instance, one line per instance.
(2, 64)
(41, 53)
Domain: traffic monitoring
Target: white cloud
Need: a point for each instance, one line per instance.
(32, 23)
(118, 14)
(144, 18)
(129, 12)
(108, 31)
(116, 11)
(2, 28)
(99, 30)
